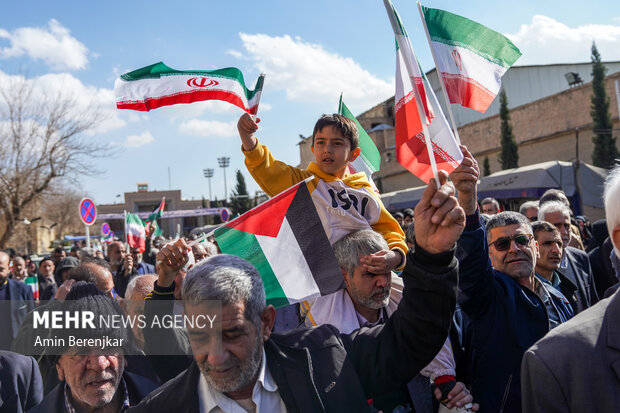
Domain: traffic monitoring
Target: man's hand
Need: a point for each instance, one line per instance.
(439, 220)
(465, 179)
(247, 126)
(381, 262)
(170, 259)
(459, 396)
(128, 265)
(63, 290)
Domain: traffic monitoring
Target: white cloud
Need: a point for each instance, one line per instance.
(84, 100)
(135, 141)
(52, 44)
(546, 40)
(209, 128)
(309, 73)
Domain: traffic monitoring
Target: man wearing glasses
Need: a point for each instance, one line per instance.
(499, 293)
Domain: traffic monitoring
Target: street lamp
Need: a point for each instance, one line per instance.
(208, 172)
(224, 161)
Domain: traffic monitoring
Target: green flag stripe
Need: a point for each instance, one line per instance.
(455, 30)
(370, 154)
(245, 245)
(159, 70)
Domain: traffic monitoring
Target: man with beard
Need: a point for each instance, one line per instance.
(123, 266)
(308, 370)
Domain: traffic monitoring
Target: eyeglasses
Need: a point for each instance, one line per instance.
(503, 244)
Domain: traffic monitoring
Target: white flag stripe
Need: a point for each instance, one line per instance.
(279, 251)
(487, 74)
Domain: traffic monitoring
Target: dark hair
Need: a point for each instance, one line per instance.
(552, 195)
(46, 259)
(538, 226)
(59, 249)
(342, 124)
(408, 212)
(398, 215)
(504, 219)
(97, 261)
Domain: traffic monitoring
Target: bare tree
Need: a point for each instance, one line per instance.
(42, 136)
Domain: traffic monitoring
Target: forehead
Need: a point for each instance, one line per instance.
(544, 236)
(509, 231)
(329, 132)
(557, 216)
(227, 316)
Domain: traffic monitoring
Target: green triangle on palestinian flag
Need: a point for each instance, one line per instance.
(285, 240)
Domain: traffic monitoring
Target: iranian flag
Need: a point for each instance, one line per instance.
(134, 232)
(33, 283)
(411, 145)
(369, 160)
(158, 85)
(284, 239)
(470, 57)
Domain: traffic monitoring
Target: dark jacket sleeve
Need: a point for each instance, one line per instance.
(390, 355)
(168, 350)
(475, 270)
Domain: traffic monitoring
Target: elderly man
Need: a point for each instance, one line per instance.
(17, 300)
(575, 367)
(575, 263)
(550, 249)
(92, 379)
(368, 300)
(489, 206)
(529, 209)
(499, 293)
(312, 370)
(137, 290)
(20, 272)
(123, 266)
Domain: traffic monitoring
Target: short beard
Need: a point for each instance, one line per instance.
(248, 369)
(369, 302)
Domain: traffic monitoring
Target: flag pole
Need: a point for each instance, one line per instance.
(396, 27)
(441, 81)
(125, 229)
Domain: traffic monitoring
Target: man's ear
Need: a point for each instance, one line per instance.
(345, 275)
(267, 320)
(354, 154)
(615, 237)
(60, 371)
(312, 149)
(537, 251)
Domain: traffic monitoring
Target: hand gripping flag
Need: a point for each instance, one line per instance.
(285, 240)
(369, 160)
(158, 85)
(134, 232)
(470, 57)
(156, 214)
(411, 145)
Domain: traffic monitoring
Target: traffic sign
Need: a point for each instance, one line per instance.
(105, 229)
(88, 211)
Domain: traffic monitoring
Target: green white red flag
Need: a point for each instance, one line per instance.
(470, 57)
(285, 240)
(158, 85)
(33, 283)
(411, 145)
(155, 215)
(369, 160)
(134, 232)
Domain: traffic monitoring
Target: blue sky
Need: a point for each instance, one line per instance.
(311, 51)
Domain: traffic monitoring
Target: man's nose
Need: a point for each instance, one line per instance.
(98, 362)
(381, 281)
(217, 357)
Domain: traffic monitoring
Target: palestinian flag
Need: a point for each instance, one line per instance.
(369, 160)
(410, 122)
(158, 85)
(134, 232)
(285, 240)
(158, 211)
(470, 57)
(33, 282)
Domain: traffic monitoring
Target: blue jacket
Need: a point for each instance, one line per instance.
(506, 319)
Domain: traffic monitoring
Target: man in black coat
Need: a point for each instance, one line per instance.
(16, 301)
(310, 370)
(20, 382)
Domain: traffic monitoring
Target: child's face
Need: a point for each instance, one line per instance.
(332, 151)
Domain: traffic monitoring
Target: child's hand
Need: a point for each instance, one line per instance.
(247, 126)
(381, 262)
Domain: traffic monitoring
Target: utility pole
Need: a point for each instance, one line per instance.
(224, 161)
(208, 172)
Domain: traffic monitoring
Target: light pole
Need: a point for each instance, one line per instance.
(224, 161)
(208, 172)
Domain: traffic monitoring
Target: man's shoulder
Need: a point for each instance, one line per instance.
(52, 402)
(175, 392)
(19, 286)
(576, 253)
(321, 336)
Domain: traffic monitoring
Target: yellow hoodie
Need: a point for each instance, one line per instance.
(344, 206)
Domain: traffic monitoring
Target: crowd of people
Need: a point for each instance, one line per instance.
(452, 306)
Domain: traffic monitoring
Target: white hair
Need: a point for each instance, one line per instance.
(551, 207)
(527, 205)
(612, 202)
(143, 283)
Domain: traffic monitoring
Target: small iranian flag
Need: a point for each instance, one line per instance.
(411, 147)
(134, 232)
(470, 57)
(369, 160)
(284, 239)
(158, 85)
(33, 283)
